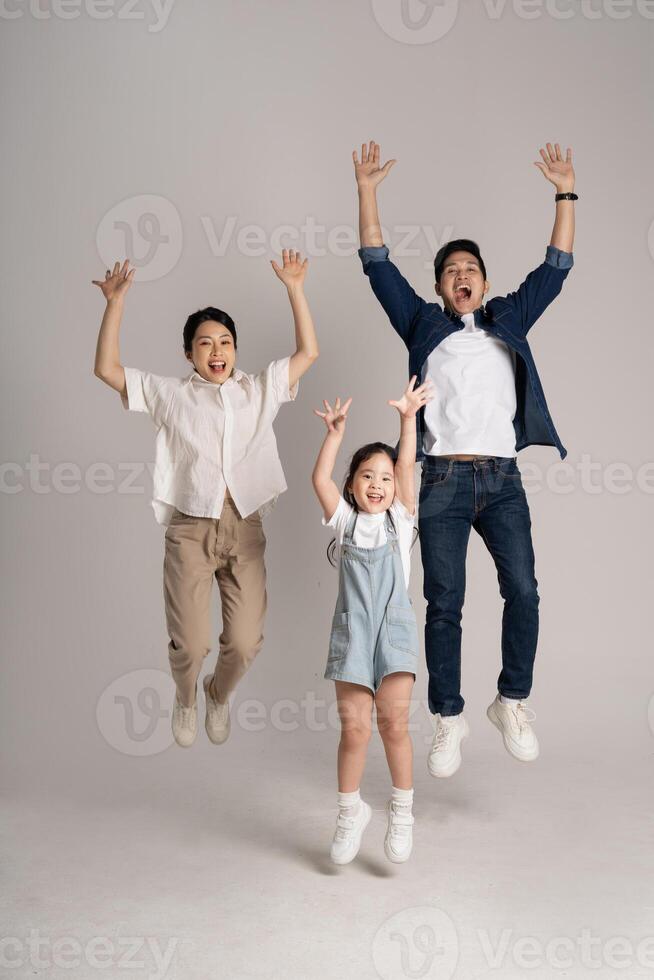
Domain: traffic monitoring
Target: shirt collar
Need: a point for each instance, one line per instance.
(237, 375)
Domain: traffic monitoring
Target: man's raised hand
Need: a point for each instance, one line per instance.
(368, 173)
(558, 171)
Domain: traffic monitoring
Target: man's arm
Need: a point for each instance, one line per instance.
(399, 300)
(544, 284)
(561, 173)
(107, 355)
(292, 275)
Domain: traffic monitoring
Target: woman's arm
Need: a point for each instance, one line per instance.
(292, 275)
(114, 286)
(326, 490)
(405, 466)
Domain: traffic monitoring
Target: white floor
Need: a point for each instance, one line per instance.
(211, 863)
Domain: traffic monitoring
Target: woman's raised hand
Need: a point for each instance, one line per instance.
(115, 284)
(293, 270)
(414, 398)
(334, 418)
(368, 173)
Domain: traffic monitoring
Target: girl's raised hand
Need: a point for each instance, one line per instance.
(115, 284)
(334, 418)
(294, 269)
(414, 398)
(368, 173)
(558, 171)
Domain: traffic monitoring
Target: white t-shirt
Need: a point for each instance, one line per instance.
(474, 394)
(369, 530)
(213, 437)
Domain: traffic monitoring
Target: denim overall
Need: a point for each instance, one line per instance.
(374, 631)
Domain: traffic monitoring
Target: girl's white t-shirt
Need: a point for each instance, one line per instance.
(369, 530)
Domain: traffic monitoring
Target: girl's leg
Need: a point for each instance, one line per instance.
(355, 712)
(392, 702)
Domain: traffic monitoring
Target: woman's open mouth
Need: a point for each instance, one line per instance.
(374, 498)
(217, 367)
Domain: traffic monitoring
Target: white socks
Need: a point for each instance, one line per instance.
(349, 803)
(403, 798)
(510, 700)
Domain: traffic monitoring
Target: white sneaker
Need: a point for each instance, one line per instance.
(184, 723)
(216, 720)
(348, 834)
(445, 753)
(513, 721)
(399, 834)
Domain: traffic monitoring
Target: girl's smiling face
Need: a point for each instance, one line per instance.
(373, 486)
(212, 353)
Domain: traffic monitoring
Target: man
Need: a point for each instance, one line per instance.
(488, 404)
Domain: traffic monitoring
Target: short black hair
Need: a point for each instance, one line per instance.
(208, 313)
(458, 245)
(361, 456)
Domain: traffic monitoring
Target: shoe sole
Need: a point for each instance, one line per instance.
(212, 739)
(492, 717)
(457, 762)
(368, 817)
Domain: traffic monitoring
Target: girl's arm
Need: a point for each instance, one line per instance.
(405, 466)
(114, 286)
(326, 490)
(292, 275)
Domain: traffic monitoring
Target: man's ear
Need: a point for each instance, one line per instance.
(437, 289)
(486, 287)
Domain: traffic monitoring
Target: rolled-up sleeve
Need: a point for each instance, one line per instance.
(372, 253)
(560, 260)
(146, 393)
(278, 377)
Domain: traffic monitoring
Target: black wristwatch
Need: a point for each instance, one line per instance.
(570, 196)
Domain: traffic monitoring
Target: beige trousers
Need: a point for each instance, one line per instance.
(197, 549)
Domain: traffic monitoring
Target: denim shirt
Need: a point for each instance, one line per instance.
(422, 326)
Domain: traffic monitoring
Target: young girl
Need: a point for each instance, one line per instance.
(373, 647)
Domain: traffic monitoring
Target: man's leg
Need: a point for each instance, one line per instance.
(504, 524)
(241, 577)
(444, 520)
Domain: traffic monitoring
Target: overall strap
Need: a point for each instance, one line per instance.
(389, 526)
(348, 533)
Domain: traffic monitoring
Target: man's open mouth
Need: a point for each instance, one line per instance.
(462, 293)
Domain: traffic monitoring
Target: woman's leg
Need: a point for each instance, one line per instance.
(392, 702)
(188, 579)
(355, 711)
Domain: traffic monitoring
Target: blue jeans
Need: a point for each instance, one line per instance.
(486, 494)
